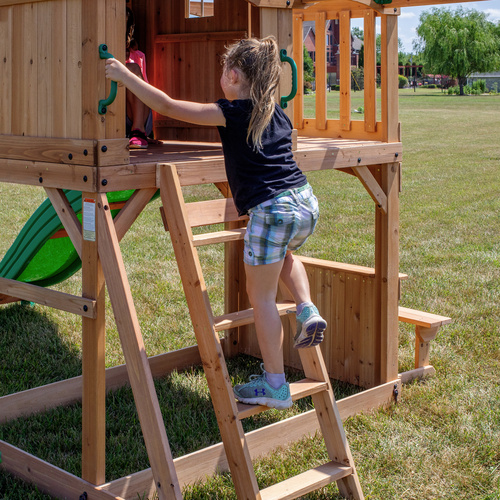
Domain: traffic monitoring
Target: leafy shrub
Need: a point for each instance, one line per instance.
(403, 81)
(479, 86)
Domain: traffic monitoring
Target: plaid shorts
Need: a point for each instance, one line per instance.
(278, 225)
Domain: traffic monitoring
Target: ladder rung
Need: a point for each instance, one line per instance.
(219, 236)
(245, 317)
(306, 482)
(298, 390)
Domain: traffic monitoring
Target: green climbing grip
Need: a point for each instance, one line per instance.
(104, 103)
(284, 58)
(383, 2)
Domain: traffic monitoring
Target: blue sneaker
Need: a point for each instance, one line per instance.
(259, 392)
(310, 327)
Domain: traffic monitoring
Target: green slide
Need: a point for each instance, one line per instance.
(37, 258)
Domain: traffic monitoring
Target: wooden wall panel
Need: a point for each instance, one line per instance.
(74, 69)
(24, 69)
(5, 69)
(346, 298)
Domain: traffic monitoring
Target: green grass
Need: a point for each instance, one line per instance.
(441, 441)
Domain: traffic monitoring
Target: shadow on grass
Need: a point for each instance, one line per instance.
(32, 354)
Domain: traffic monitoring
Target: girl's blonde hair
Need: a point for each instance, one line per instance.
(259, 62)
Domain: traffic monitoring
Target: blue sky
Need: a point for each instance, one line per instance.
(409, 18)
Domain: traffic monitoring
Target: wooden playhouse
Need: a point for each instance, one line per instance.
(61, 130)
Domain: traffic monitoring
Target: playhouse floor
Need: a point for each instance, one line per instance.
(312, 153)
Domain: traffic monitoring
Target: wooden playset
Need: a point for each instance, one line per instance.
(60, 130)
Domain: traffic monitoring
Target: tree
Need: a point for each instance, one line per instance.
(458, 43)
(308, 66)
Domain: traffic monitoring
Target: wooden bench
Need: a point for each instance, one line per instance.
(426, 328)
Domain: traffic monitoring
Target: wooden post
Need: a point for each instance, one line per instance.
(321, 70)
(387, 271)
(93, 353)
(138, 369)
(389, 78)
(370, 96)
(345, 70)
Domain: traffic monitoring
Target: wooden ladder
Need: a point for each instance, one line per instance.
(179, 218)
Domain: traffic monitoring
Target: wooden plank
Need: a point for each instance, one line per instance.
(201, 213)
(370, 70)
(51, 298)
(225, 236)
(345, 69)
(199, 37)
(65, 392)
(53, 150)
(389, 78)
(330, 421)
(52, 175)
(93, 352)
(285, 42)
(423, 371)
(211, 353)
(113, 151)
(115, 36)
(51, 81)
(93, 78)
(353, 333)
(134, 351)
(298, 56)
(386, 265)
(5, 70)
(334, 130)
(372, 186)
(48, 478)
(24, 69)
(369, 354)
(421, 318)
(306, 482)
(320, 70)
(74, 72)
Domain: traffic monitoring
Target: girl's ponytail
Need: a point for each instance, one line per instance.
(259, 62)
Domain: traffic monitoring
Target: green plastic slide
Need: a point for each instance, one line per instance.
(37, 258)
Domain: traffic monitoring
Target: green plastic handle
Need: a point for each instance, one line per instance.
(291, 62)
(104, 103)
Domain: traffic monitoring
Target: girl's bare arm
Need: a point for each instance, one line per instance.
(191, 112)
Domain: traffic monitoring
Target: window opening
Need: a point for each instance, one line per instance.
(199, 8)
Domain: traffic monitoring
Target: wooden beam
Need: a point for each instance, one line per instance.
(48, 478)
(320, 70)
(345, 69)
(64, 302)
(52, 150)
(370, 70)
(141, 380)
(93, 350)
(372, 186)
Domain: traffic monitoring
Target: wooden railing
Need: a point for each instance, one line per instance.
(387, 129)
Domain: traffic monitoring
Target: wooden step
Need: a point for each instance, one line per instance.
(219, 236)
(298, 390)
(306, 482)
(245, 317)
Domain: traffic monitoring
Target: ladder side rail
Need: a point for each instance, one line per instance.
(209, 344)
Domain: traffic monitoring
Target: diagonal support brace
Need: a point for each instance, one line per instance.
(372, 186)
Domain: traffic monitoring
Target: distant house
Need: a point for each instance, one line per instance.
(492, 80)
(332, 47)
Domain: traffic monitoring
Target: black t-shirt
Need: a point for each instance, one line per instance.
(257, 176)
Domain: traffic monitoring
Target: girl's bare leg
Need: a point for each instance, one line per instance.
(262, 287)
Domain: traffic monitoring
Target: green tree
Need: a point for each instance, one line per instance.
(458, 43)
(308, 67)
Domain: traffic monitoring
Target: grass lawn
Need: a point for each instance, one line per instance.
(442, 439)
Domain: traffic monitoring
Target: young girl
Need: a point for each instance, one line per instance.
(266, 184)
(139, 116)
